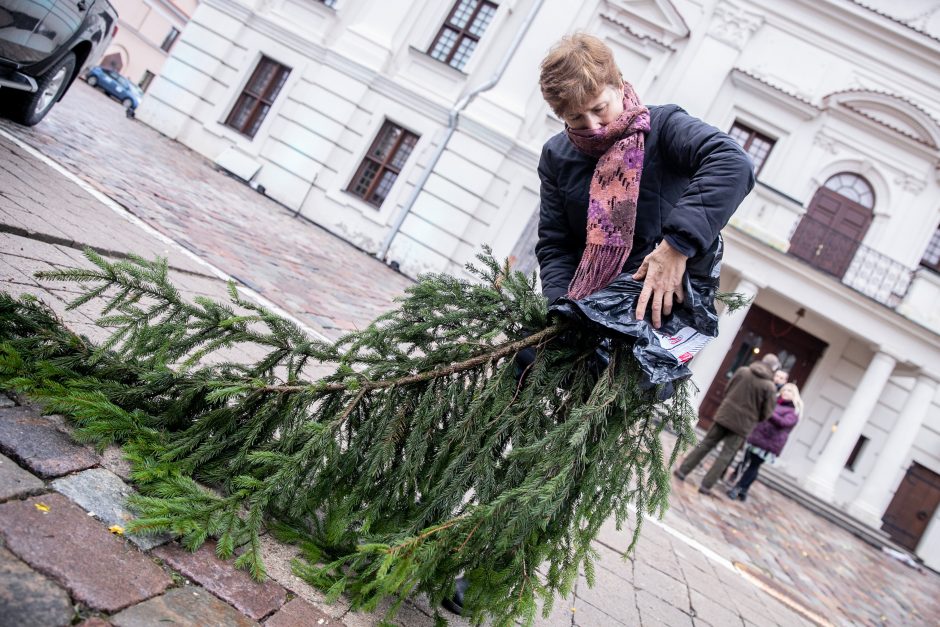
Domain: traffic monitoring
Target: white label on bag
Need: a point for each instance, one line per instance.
(684, 344)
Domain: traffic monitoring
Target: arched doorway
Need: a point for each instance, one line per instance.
(835, 223)
(763, 332)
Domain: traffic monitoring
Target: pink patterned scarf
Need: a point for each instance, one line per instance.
(615, 188)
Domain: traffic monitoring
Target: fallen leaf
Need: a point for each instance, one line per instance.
(116, 529)
(42, 507)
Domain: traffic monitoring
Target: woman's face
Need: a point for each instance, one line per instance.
(598, 112)
(786, 393)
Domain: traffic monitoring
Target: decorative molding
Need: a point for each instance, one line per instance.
(733, 25)
(827, 143)
(910, 183)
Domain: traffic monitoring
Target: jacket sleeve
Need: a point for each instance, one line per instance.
(770, 404)
(721, 175)
(557, 258)
(784, 417)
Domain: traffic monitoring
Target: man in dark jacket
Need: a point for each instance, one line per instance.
(749, 398)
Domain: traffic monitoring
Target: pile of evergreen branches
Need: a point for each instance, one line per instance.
(421, 457)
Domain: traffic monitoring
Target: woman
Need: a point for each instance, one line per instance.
(627, 187)
(768, 438)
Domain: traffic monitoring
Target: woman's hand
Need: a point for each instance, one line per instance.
(662, 270)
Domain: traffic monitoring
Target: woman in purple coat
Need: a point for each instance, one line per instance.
(768, 437)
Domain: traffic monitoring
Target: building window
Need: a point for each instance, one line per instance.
(461, 32)
(383, 163)
(856, 453)
(932, 254)
(146, 80)
(169, 40)
(255, 101)
(755, 144)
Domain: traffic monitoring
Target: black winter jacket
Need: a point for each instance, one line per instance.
(694, 177)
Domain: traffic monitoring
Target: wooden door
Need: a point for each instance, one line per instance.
(762, 332)
(912, 507)
(830, 232)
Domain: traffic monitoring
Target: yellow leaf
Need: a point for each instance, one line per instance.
(116, 529)
(42, 507)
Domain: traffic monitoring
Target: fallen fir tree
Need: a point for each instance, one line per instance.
(423, 456)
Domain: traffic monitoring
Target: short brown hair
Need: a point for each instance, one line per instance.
(575, 70)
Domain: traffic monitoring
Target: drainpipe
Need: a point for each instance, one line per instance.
(452, 126)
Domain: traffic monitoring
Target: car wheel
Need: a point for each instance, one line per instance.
(92, 80)
(29, 108)
(127, 103)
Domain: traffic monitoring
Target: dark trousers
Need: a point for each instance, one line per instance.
(752, 467)
(730, 443)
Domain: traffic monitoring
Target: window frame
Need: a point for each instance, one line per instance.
(934, 242)
(753, 134)
(462, 32)
(263, 97)
(170, 39)
(384, 165)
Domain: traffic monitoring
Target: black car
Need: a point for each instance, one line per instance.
(44, 44)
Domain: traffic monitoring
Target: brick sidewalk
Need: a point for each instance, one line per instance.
(683, 572)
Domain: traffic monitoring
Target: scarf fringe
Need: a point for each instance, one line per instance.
(600, 264)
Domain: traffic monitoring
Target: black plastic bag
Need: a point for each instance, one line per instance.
(662, 353)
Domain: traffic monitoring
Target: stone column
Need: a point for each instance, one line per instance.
(874, 496)
(705, 365)
(822, 479)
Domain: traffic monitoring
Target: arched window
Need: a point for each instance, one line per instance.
(853, 187)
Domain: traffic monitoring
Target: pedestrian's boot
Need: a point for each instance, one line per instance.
(455, 603)
(737, 493)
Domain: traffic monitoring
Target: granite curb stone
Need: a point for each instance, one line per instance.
(38, 444)
(187, 605)
(14, 481)
(103, 493)
(220, 577)
(28, 599)
(99, 569)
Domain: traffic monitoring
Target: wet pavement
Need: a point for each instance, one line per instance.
(711, 561)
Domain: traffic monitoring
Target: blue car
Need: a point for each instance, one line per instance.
(116, 86)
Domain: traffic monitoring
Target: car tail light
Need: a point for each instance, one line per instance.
(113, 33)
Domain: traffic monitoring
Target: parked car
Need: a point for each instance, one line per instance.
(115, 85)
(44, 46)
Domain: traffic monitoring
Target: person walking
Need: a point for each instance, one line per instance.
(768, 438)
(749, 399)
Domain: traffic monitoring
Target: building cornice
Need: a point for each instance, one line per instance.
(644, 39)
(750, 80)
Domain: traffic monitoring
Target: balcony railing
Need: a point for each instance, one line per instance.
(864, 269)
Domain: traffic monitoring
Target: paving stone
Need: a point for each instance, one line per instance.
(188, 605)
(6, 401)
(672, 591)
(709, 610)
(94, 621)
(220, 577)
(611, 594)
(112, 458)
(28, 599)
(299, 613)
(36, 443)
(14, 481)
(654, 611)
(103, 493)
(588, 615)
(277, 558)
(560, 616)
(60, 542)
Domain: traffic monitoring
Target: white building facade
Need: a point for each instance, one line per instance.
(412, 129)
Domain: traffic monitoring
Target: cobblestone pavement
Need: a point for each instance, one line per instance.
(292, 262)
(795, 568)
